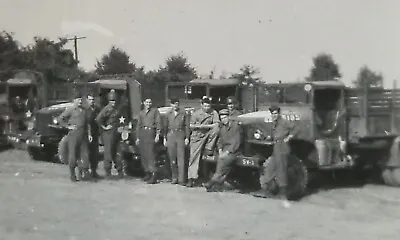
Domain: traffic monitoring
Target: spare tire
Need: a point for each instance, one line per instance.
(62, 150)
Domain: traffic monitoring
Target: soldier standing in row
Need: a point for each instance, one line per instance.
(76, 120)
(228, 145)
(232, 108)
(107, 119)
(204, 125)
(148, 130)
(276, 168)
(177, 135)
(93, 133)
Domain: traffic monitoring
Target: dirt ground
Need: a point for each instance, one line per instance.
(37, 201)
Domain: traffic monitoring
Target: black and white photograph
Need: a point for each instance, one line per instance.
(199, 119)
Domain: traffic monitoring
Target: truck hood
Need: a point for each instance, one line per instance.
(56, 108)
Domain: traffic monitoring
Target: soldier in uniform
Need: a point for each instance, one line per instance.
(275, 169)
(93, 133)
(76, 119)
(204, 124)
(107, 119)
(232, 108)
(148, 130)
(177, 135)
(228, 145)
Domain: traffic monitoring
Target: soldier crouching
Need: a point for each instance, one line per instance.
(228, 146)
(107, 119)
(76, 119)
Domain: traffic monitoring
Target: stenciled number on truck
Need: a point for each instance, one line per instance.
(289, 117)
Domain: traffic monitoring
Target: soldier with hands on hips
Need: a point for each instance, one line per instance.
(275, 169)
(108, 120)
(177, 135)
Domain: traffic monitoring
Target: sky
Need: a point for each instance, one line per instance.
(280, 37)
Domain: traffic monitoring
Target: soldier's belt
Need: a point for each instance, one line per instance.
(176, 130)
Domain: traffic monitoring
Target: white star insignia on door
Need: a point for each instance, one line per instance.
(28, 114)
(121, 119)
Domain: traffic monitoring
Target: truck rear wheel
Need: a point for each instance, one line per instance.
(391, 176)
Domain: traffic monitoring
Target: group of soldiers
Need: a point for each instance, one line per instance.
(206, 132)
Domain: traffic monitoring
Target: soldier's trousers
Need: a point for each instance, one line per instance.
(110, 142)
(176, 153)
(93, 154)
(276, 166)
(78, 148)
(147, 149)
(196, 150)
(224, 166)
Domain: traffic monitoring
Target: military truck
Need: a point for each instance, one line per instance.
(339, 128)
(23, 100)
(3, 111)
(43, 139)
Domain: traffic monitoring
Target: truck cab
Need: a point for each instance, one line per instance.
(191, 93)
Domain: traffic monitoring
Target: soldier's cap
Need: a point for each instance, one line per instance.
(223, 112)
(174, 100)
(274, 108)
(230, 100)
(112, 95)
(206, 99)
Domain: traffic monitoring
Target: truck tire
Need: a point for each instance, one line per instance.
(297, 178)
(62, 151)
(35, 153)
(391, 177)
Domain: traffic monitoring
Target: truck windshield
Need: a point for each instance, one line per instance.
(196, 92)
(282, 94)
(18, 90)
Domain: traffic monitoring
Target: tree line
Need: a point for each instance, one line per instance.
(57, 63)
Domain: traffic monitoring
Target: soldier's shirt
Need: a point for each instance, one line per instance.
(230, 137)
(109, 115)
(282, 128)
(149, 119)
(177, 120)
(74, 116)
(201, 117)
(93, 126)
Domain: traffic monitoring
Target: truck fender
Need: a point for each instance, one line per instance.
(394, 156)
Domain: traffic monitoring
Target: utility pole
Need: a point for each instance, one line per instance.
(75, 39)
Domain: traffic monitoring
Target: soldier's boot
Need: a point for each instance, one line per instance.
(282, 194)
(153, 178)
(120, 174)
(86, 175)
(146, 176)
(190, 183)
(174, 179)
(80, 174)
(108, 174)
(72, 174)
(95, 175)
(208, 185)
(263, 193)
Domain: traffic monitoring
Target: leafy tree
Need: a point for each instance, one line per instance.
(10, 55)
(324, 68)
(247, 74)
(176, 69)
(368, 77)
(116, 61)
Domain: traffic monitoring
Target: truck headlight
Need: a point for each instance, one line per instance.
(6, 118)
(257, 134)
(55, 121)
(124, 135)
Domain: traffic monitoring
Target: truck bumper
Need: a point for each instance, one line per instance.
(241, 161)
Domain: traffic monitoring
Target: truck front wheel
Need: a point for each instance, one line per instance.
(391, 176)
